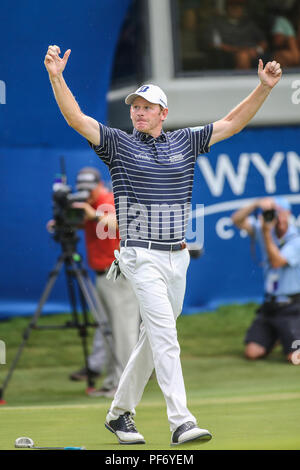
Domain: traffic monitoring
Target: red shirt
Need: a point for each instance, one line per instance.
(100, 253)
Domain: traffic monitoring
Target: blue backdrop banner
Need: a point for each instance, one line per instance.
(34, 135)
(255, 163)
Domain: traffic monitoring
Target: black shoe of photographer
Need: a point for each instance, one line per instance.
(82, 374)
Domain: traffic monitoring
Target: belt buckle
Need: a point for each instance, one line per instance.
(283, 300)
(182, 246)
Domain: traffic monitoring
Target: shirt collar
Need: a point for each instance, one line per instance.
(143, 137)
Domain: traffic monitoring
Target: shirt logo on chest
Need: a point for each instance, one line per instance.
(176, 158)
(143, 156)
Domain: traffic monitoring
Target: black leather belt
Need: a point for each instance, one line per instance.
(153, 245)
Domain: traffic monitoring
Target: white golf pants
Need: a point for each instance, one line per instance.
(158, 279)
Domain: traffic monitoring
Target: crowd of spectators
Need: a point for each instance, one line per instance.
(234, 37)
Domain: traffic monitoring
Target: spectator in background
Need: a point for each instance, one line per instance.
(193, 16)
(235, 38)
(278, 318)
(296, 13)
(191, 54)
(285, 48)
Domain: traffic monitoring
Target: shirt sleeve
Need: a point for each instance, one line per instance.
(200, 138)
(291, 252)
(107, 149)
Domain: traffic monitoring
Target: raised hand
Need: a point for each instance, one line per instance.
(266, 203)
(54, 64)
(270, 74)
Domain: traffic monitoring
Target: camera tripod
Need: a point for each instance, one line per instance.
(78, 281)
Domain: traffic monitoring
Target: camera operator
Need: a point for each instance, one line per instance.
(278, 318)
(118, 299)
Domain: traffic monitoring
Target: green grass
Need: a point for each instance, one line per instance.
(245, 404)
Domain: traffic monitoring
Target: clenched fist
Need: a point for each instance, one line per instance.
(270, 74)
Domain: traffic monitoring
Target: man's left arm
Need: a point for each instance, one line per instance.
(242, 114)
(275, 257)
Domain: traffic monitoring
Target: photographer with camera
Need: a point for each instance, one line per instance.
(278, 318)
(99, 222)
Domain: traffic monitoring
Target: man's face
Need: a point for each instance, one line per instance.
(147, 117)
(282, 221)
(235, 11)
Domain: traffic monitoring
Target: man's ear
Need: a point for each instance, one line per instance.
(164, 113)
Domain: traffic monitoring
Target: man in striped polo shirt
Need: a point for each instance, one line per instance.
(152, 174)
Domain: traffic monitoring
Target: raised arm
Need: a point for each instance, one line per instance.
(240, 218)
(240, 116)
(84, 125)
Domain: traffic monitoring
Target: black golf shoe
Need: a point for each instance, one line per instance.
(124, 428)
(188, 432)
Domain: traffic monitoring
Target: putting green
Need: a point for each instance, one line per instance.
(246, 405)
(269, 421)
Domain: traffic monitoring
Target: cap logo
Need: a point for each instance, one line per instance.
(143, 89)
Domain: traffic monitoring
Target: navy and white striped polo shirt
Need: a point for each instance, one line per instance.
(152, 179)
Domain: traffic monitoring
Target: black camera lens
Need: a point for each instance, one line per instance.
(269, 215)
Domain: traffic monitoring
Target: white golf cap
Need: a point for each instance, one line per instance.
(151, 93)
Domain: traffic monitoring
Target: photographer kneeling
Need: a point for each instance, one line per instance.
(278, 318)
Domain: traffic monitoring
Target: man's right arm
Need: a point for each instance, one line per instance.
(84, 125)
(240, 218)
